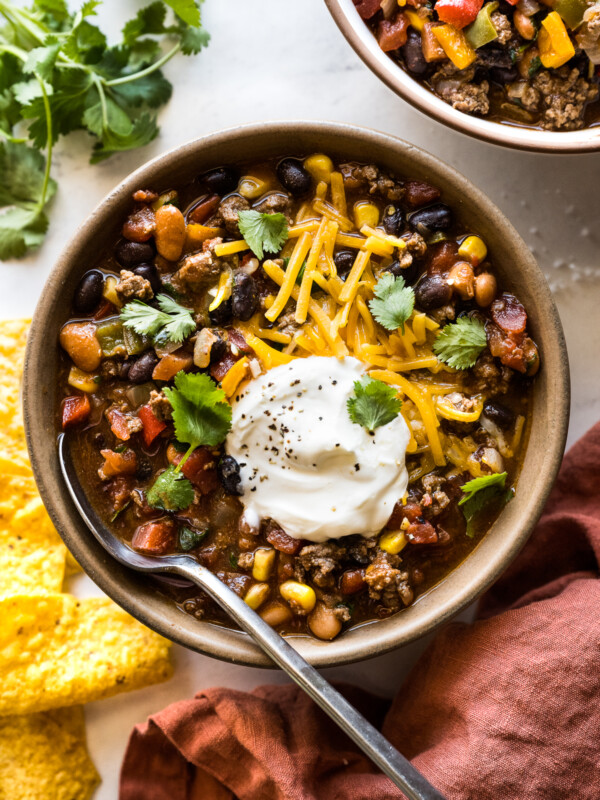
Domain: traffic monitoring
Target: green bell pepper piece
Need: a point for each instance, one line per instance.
(134, 342)
(110, 335)
(571, 11)
(482, 30)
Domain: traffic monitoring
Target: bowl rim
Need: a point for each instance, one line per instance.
(361, 39)
(132, 590)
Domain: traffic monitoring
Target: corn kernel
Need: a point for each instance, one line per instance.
(366, 214)
(81, 380)
(320, 167)
(109, 291)
(252, 188)
(417, 22)
(256, 595)
(392, 542)
(473, 248)
(299, 596)
(263, 564)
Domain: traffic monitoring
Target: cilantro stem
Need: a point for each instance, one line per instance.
(19, 17)
(188, 453)
(14, 51)
(102, 95)
(49, 144)
(148, 71)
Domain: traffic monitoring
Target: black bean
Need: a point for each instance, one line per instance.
(500, 415)
(393, 220)
(221, 180)
(344, 260)
(99, 440)
(229, 474)
(89, 292)
(144, 469)
(437, 217)
(293, 176)
(494, 57)
(244, 298)
(408, 273)
(150, 273)
(431, 292)
(218, 349)
(130, 254)
(142, 368)
(222, 315)
(124, 367)
(412, 52)
(504, 75)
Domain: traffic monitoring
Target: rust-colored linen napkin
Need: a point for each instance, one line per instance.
(507, 708)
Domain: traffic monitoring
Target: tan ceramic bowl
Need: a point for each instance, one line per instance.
(518, 271)
(364, 43)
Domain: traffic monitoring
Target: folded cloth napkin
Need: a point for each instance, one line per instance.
(507, 708)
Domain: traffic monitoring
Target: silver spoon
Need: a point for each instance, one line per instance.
(372, 743)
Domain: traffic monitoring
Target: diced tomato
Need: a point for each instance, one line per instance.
(458, 13)
(155, 538)
(152, 425)
(421, 533)
(509, 348)
(75, 409)
(220, 368)
(200, 469)
(392, 34)
(508, 314)
(367, 8)
(205, 209)
(352, 581)
(118, 424)
(236, 338)
(417, 193)
(119, 491)
(442, 257)
(411, 511)
(281, 541)
(140, 226)
(170, 365)
(117, 463)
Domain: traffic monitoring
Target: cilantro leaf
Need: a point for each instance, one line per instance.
(170, 491)
(263, 232)
(374, 403)
(481, 493)
(460, 343)
(170, 321)
(58, 72)
(393, 303)
(201, 413)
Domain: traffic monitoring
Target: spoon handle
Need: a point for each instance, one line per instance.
(369, 739)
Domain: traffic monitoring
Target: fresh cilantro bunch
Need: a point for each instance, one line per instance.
(170, 322)
(58, 74)
(373, 404)
(202, 416)
(393, 303)
(480, 493)
(460, 343)
(265, 233)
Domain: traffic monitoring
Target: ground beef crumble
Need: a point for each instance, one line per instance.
(228, 213)
(371, 178)
(564, 96)
(160, 406)
(133, 287)
(456, 87)
(200, 268)
(320, 561)
(387, 583)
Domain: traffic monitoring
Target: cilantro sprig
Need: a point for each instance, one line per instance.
(202, 416)
(59, 74)
(393, 303)
(265, 233)
(170, 322)
(373, 404)
(460, 343)
(480, 493)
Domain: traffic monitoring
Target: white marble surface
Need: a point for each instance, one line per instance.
(283, 59)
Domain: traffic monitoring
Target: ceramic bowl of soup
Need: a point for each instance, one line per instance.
(483, 68)
(314, 358)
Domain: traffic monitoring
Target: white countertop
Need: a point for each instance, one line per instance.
(283, 59)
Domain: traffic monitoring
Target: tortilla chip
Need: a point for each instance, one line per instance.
(56, 650)
(45, 756)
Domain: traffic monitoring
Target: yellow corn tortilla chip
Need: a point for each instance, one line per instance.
(32, 555)
(56, 650)
(44, 757)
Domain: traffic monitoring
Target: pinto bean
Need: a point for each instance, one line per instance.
(80, 342)
(485, 289)
(323, 622)
(524, 25)
(462, 280)
(352, 581)
(170, 232)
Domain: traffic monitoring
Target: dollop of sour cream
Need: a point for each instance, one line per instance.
(304, 463)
